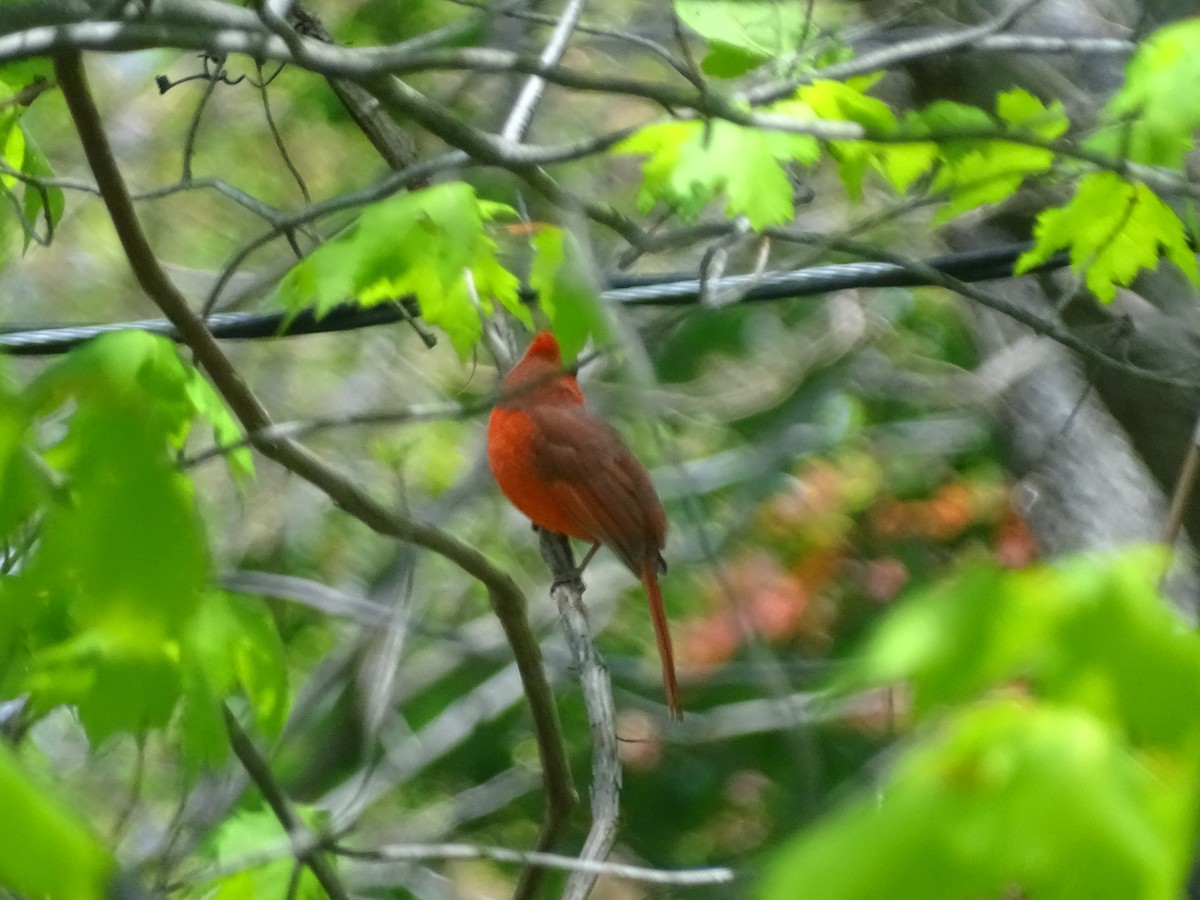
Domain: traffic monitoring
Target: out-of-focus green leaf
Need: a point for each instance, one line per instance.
(126, 563)
(1005, 796)
(23, 484)
(235, 642)
(12, 145)
(1153, 117)
(1092, 633)
(112, 612)
(430, 243)
(976, 171)
(36, 203)
(744, 34)
(567, 293)
(48, 851)
(1113, 229)
(208, 404)
(145, 374)
(120, 679)
(248, 834)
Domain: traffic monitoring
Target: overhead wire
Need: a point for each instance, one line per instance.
(668, 289)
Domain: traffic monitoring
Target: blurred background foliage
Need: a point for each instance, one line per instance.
(1017, 730)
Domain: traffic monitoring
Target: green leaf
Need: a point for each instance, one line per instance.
(121, 566)
(847, 102)
(120, 678)
(23, 483)
(235, 642)
(975, 171)
(1056, 733)
(48, 851)
(208, 404)
(1005, 797)
(145, 373)
(250, 834)
(430, 243)
(692, 162)
(36, 204)
(1154, 116)
(567, 293)
(12, 145)
(743, 34)
(231, 646)
(1090, 632)
(1113, 229)
(125, 560)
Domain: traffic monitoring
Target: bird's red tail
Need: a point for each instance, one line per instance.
(662, 635)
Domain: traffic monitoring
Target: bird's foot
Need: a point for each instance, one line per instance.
(572, 580)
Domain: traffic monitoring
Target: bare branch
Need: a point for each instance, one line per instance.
(567, 591)
(519, 117)
(307, 848)
(413, 852)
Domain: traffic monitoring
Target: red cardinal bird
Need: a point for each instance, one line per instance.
(572, 474)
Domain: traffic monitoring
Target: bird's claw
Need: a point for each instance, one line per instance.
(573, 580)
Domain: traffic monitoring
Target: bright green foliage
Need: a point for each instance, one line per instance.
(250, 836)
(567, 294)
(19, 152)
(48, 852)
(1113, 229)
(37, 203)
(112, 611)
(23, 483)
(135, 368)
(1056, 747)
(1154, 117)
(430, 243)
(975, 172)
(122, 563)
(846, 102)
(231, 645)
(12, 145)
(744, 34)
(692, 162)
(1003, 796)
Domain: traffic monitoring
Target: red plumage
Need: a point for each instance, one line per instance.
(571, 473)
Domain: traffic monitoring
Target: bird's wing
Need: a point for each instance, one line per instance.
(598, 482)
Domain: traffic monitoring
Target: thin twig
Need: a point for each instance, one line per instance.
(279, 142)
(189, 143)
(306, 846)
(1184, 487)
(414, 852)
(896, 54)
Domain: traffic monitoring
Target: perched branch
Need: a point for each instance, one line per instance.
(602, 721)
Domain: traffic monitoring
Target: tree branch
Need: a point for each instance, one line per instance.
(506, 597)
(602, 721)
(414, 852)
(306, 846)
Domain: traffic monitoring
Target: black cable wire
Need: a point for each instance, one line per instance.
(673, 289)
